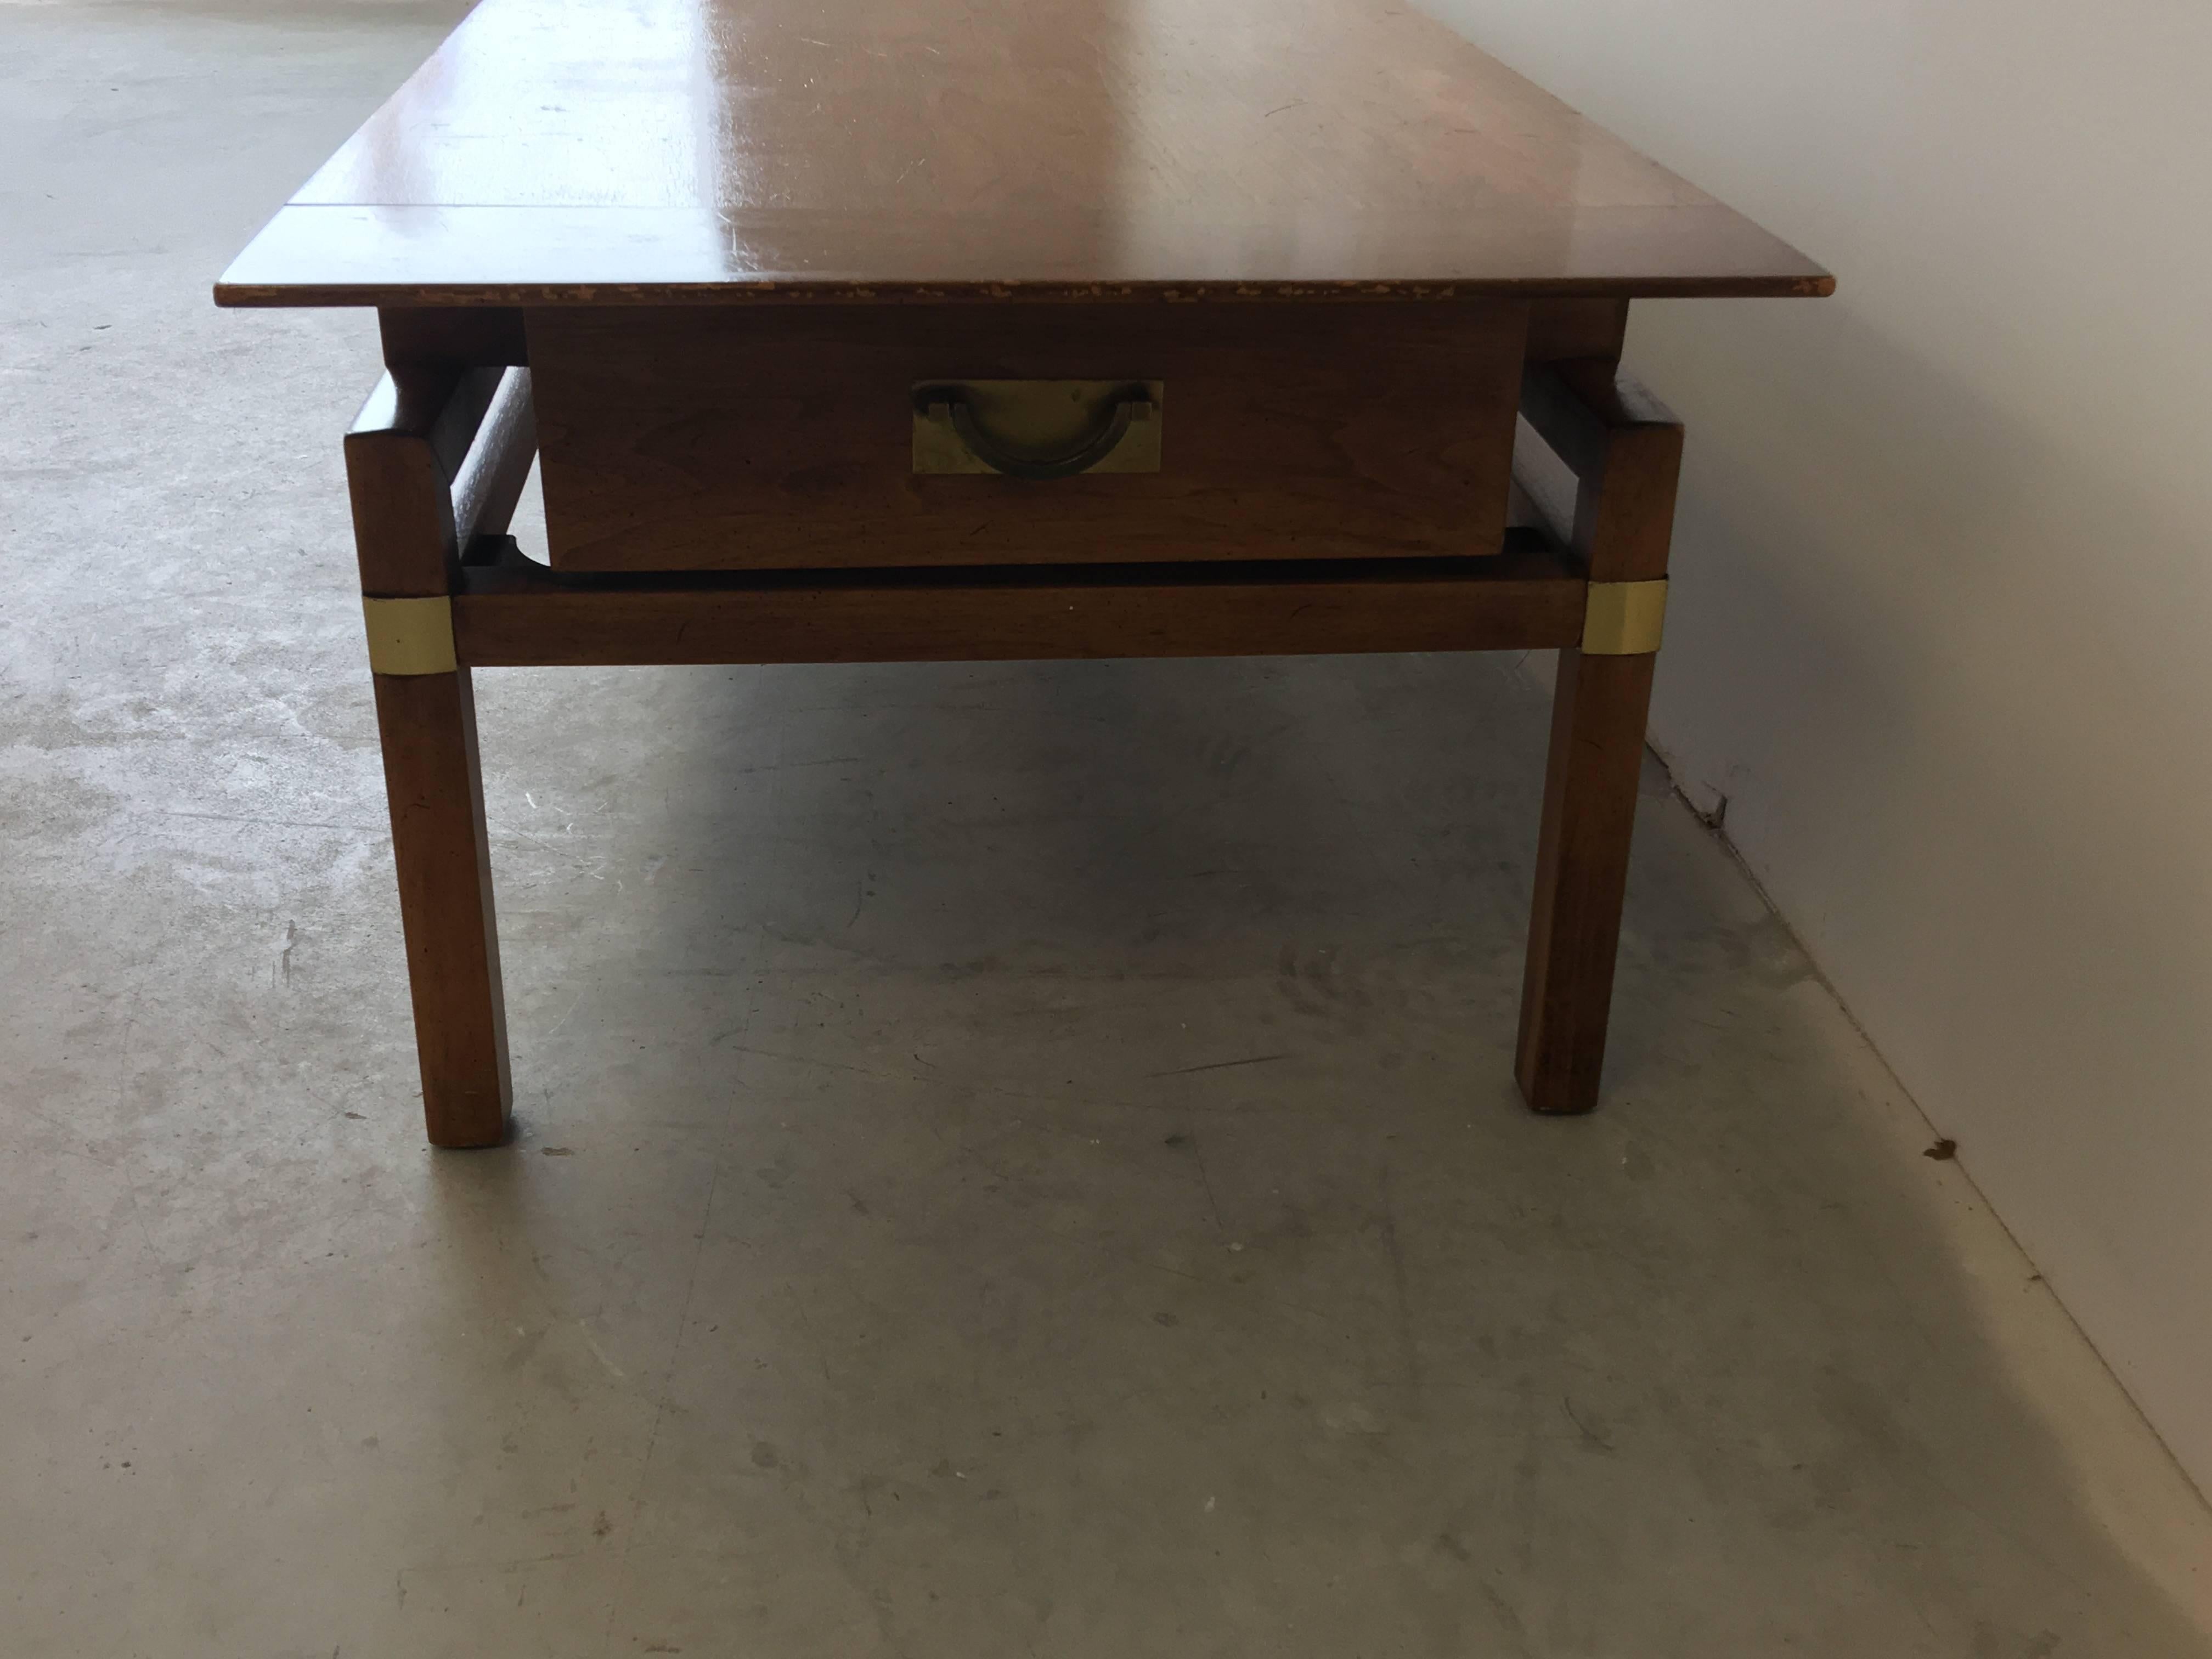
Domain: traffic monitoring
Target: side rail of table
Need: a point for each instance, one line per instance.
(439, 457)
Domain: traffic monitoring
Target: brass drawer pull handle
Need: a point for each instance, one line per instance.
(950, 404)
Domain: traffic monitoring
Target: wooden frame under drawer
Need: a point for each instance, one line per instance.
(780, 435)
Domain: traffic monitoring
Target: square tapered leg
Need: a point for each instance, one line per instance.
(1625, 449)
(1581, 876)
(437, 790)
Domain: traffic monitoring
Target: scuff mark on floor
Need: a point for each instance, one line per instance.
(1218, 1065)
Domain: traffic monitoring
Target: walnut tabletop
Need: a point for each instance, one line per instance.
(579, 152)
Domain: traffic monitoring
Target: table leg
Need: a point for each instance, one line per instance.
(1625, 449)
(437, 456)
(435, 785)
(1598, 711)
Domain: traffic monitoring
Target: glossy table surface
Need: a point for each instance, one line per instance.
(622, 151)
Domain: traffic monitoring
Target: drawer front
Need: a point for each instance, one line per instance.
(795, 436)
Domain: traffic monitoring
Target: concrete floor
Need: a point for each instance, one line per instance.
(1014, 1160)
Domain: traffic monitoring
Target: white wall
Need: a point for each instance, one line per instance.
(1941, 631)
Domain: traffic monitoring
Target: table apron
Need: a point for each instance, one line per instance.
(503, 617)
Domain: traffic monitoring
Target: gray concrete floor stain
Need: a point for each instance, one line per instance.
(1013, 1159)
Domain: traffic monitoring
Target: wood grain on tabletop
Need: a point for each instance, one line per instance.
(571, 151)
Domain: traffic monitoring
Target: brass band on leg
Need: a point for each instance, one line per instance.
(410, 636)
(1624, 619)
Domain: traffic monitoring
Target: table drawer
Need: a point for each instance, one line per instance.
(797, 436)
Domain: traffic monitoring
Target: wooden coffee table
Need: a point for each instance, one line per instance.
(962, 330)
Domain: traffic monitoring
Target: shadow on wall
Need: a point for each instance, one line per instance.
(1917, 648)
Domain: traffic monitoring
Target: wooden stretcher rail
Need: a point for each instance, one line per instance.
(516, 613)
(1579, 407)
(1625, 449)
(437, 457)
(489, 481)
